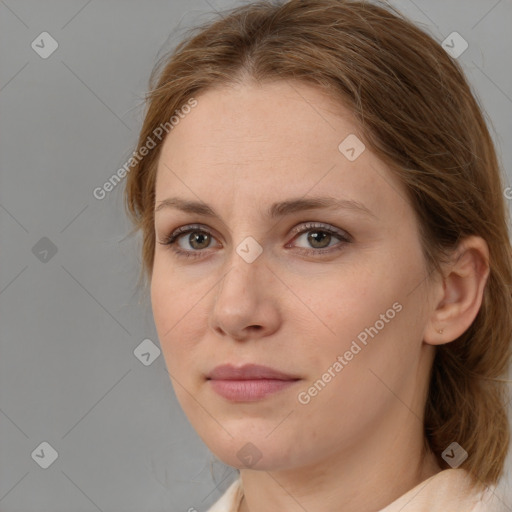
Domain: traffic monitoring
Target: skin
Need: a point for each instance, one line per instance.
(358, 444)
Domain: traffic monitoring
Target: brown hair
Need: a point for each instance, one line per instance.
(417, 113)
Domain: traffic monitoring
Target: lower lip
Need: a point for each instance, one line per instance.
(249, 390)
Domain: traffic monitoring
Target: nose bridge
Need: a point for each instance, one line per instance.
(245, 266)
(245, 262)
(247, 231)
(241, 299)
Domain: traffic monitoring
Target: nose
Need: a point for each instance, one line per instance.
(246, 301)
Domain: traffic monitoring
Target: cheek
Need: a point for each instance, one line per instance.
(341, 306)
(176, 316)
(174, 297)
(368, 316)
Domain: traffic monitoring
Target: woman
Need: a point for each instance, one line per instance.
(326, 242)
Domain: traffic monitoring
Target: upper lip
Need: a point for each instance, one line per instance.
(248, 372)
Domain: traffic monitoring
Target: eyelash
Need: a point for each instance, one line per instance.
(173, 237)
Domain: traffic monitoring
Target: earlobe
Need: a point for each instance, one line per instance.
(460, 291)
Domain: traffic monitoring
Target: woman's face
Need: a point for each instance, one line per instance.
(334, 296)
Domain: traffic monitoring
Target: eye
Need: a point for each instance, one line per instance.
(198, 240)
(319, 236)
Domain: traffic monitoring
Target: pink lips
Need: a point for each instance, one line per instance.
(249, 382)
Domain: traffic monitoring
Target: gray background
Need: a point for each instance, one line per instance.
(72, 320)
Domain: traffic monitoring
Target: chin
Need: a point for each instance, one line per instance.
(258, 453)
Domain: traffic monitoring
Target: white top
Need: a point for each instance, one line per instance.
(445, 491)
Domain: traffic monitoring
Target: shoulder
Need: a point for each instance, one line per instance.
(489, 501)
(230, 500)
(450, 489)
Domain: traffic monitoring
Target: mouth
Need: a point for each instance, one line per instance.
(250, 382)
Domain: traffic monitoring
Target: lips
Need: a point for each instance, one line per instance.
(248, 383)
(248, 372)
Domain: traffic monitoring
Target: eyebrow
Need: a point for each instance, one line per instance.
(275, 211)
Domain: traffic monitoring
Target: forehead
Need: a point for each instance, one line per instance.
(265, 142)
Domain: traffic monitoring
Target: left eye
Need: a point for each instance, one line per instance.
(319, 238)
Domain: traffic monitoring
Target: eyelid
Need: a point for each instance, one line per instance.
(302, 228)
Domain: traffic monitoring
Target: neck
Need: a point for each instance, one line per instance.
(366, 477)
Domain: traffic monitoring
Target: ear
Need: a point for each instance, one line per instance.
(459, 294)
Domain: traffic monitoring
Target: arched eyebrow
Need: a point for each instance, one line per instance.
(276, 210)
